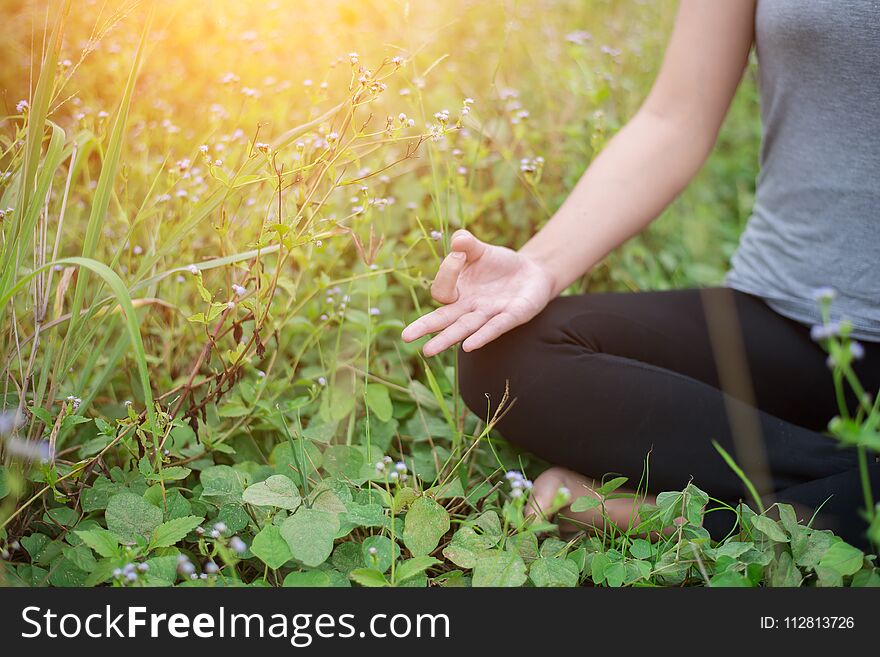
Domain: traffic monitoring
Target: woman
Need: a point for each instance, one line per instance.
(609, 382)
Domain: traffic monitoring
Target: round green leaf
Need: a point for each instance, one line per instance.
(378, 552)
(499, 568)
(466, 546)
(379, 401)
(309, 534)
(308, 579)
(425, 524)
(554, 572)
(129, 516)
(278, 491)
(221, 484)
(843, 559)
(270, 547)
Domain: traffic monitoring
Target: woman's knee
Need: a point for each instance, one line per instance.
(508, 364)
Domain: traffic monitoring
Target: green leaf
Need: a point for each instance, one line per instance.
(466, 546)
(730, 579)
(585, 503)
(615, 574)
(732, 549)
(98, 495)
(168, 533)
(365, 515)
(490, 523)
(425, 524)
(379, 552)
(320, 432)
(499, 568)
(368, 577)
(769, 528)
(130, 516)
(344, 461)
(4, 481)
(452, 488)
(324, 498)
(809, 547)
(174, 473)
(235, 517)
(640, 548)
(278, 491)
(102, 541)
(66, 573)
(842, 558)
(379, 401)
(163, 570)
(308, 579)
(336, 403)
(554, 572)
(597, 567)
(221, 484)
(412, 567)
(610, 486)
(785, 573)
(174, 504)
(81, 557)
(271, 548)
(309, 534)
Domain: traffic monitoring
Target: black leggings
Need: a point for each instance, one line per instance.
(602, 380)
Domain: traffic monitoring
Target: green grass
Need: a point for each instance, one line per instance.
(213, 337)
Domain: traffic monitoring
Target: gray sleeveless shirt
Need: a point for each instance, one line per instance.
(816, 220)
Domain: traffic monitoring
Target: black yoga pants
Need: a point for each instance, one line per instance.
(600, 381)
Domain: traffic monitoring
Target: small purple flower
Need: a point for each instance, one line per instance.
(237, 545)
(39, 450)
(856, 350)
(824, 294)
(9, 422)
(821, 332)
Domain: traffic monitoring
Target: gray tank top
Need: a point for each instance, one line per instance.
(816, 220)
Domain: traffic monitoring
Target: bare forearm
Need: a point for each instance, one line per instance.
(639, 173)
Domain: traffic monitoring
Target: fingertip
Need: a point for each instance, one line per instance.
(470, 345)
(461, 241)
(410, 333)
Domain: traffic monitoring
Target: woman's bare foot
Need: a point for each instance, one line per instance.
(546, 501)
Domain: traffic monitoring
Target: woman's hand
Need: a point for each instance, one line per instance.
(487, 290)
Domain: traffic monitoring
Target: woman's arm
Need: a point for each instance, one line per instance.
(651, 160)
(488, 290)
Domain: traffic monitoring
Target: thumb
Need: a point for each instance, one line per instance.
(464, 241)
